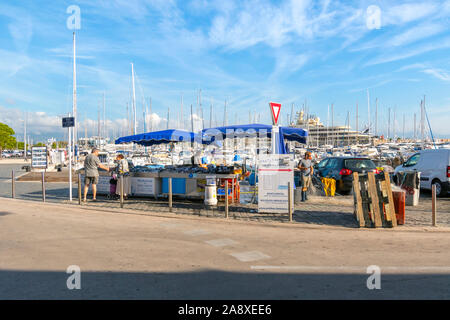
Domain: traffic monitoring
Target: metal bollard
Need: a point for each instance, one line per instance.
(79, 188)
(226, 199)
(232, 190)
(43, 186)
(290, 201)
(121, 191)
(13, 185)
(433, 205)
(170, 194)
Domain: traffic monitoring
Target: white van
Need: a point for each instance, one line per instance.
(434, 168)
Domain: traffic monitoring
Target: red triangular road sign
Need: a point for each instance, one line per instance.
(275, 108)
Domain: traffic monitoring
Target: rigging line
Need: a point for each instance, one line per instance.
(139, 83)
(429, 125)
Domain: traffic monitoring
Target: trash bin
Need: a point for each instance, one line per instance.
(399, 205)
(410, 182)
(210, 191)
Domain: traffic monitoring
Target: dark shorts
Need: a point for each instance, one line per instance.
(90, 180)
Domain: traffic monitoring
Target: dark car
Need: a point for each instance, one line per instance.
(342, 168)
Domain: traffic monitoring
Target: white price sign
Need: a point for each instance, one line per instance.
(142, 186)
(39, 157)
(274, 173)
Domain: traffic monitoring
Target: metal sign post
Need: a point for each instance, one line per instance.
(70, 164)
(275, 109)
(69, 122)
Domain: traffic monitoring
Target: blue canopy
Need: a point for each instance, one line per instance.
(252, 130)
(294, 134)
(158, 137)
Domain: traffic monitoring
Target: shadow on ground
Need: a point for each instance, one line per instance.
(314, 214)
(211, 284)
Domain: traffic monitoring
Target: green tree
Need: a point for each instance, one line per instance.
(7, 141)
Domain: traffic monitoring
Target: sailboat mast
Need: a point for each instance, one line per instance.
(144, 107)
(104, 116)
(348, 128)
(181, 113)
(393, 125)
(403, 134)
(292, 112)
(415, 136)
(134, 100)
(389, 123)
(74, 94)
(128, 121)
(150, 111)
(332, 124)
(168, 117)
(210, 114)
(192, 120)
(368, 111)
(376, 116)
(356, 124)
(225, 114)
(98, 124)
(328, 121)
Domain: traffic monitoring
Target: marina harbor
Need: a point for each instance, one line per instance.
(224, 159)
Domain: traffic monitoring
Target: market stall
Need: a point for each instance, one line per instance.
(187, 181)
(259, 132)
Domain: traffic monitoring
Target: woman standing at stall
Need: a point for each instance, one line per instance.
(122, 170)
(306, 168)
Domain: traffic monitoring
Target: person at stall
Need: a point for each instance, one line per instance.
(122, 164)
(122, 169)
(306, 169)
(197, 158)
(91, 165)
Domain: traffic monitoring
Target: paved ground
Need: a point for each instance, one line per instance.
(318, 211)
(157, 255)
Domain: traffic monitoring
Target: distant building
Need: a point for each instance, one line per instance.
(337, 136)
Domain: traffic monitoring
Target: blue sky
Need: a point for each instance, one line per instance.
(245, 52)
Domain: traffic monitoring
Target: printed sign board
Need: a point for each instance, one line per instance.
(102, 186)
(39, 157)
(274, 173)
(68, 122)
(143, 186)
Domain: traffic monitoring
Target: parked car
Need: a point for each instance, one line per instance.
(341, 169)
(434, 168)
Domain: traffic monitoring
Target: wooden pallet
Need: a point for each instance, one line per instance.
(373, 201)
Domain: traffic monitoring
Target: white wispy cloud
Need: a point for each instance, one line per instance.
(417, 33)
(424, 48)
(408, 12)
(439, 74)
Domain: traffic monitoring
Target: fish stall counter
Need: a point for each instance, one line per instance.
(193, 184)
(142, 183)
(155, 184)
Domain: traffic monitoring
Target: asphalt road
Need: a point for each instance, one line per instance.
(150, 256)
(55, 191)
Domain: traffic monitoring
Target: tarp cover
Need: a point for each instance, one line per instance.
(253, 130)
(215, 135)
(158, 137)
